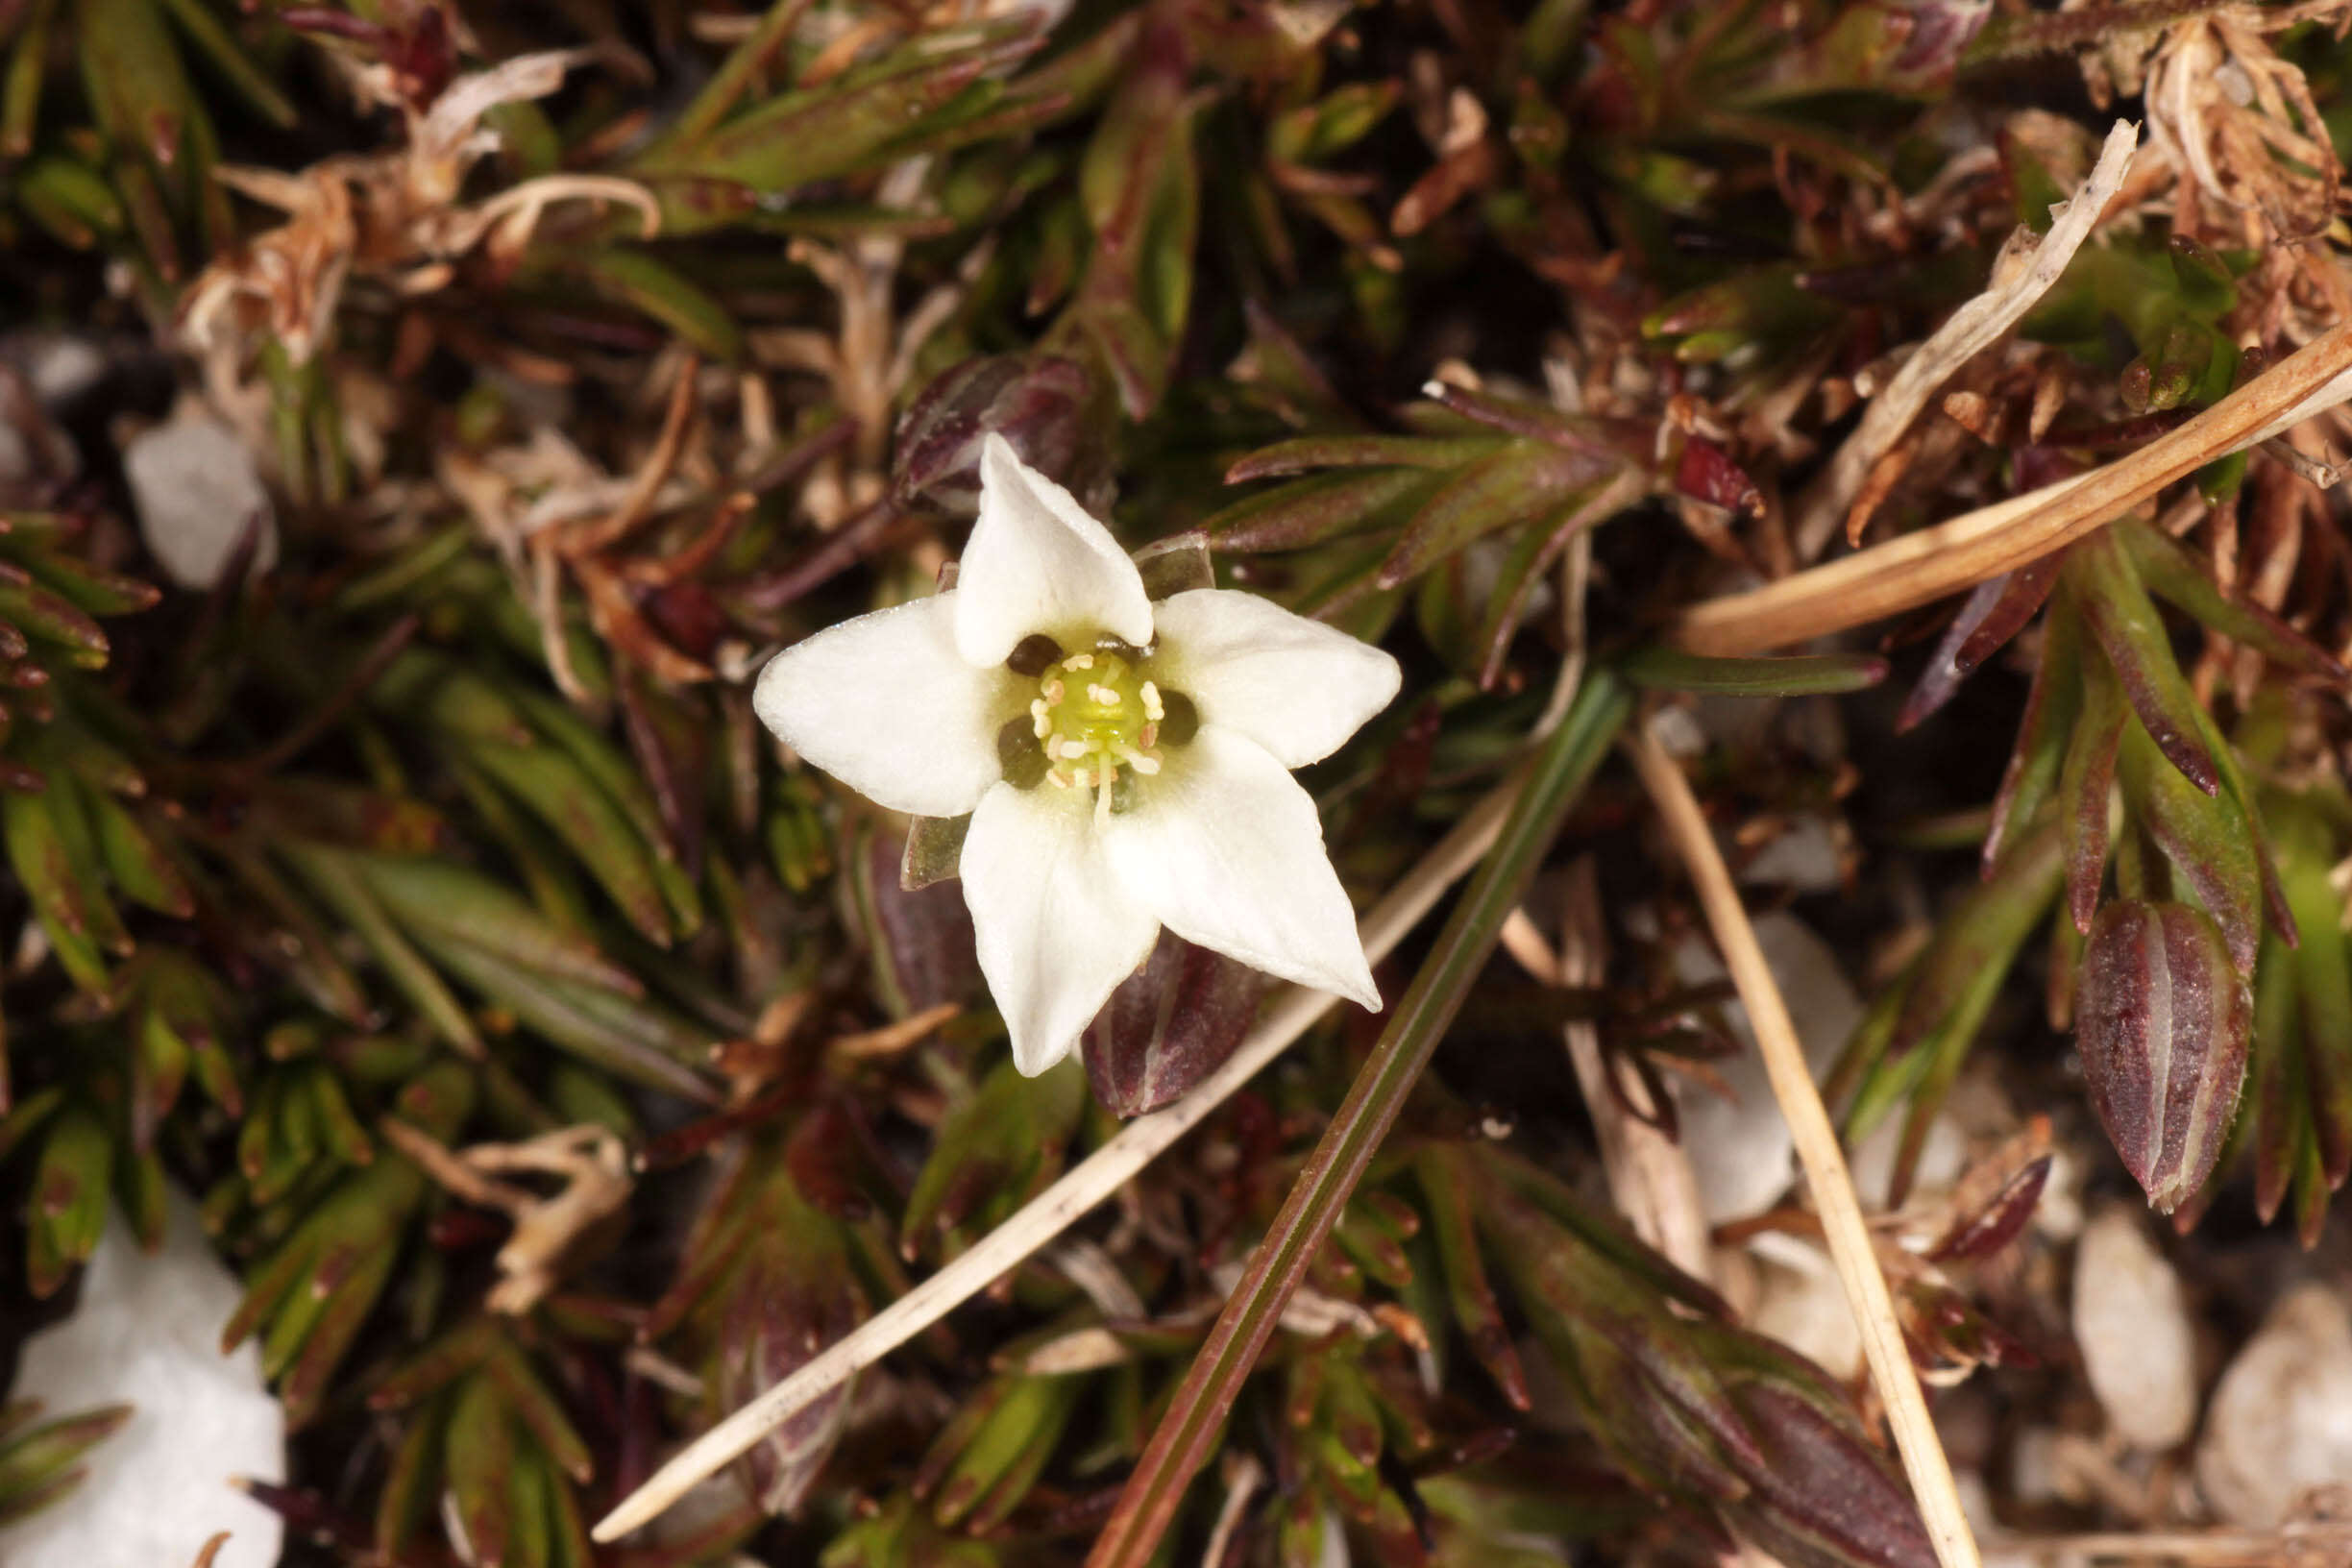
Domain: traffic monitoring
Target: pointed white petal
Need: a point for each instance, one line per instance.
(1227, 850)
(1055, 933)
(1298, 687)
(1037, 562)
(884, 704)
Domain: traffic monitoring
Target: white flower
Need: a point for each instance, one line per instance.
(1126, 764)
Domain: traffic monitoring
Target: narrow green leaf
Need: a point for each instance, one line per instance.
(1323, 507)
(229, 57)
(1522, 482)
(464, 906)
(585, 819)
(619, 1033)
(70, 1188)
(2129, 632)
(2053, 707)
(745, 65)
(1308, 453)
(2323, 986)
(337, 877)
(46, 871)
(1809, 674)
(644, 282)
(2173, 573)
(480, 1466)
(137, 863)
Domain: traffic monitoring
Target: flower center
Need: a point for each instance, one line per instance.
(1094, 714)
(1096, 721)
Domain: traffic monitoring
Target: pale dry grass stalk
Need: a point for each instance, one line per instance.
(2311, 1545)
(1140, 1142)
(1817, 1150)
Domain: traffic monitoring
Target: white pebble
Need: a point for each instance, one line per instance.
(197, 489)
(2281, 1418)
(2132, 1327)
(1740, 1147)
(147, 1331)
(1801, 1303)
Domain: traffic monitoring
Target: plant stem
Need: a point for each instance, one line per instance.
(1189, 1431)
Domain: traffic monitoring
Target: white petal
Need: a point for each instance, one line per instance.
(1055, 933)
(1227, 850)
(1298, 687)
(884, 704)
(1037, 562)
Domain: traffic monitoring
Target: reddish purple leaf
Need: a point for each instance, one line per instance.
(1940, 681)
(2163, 1019)
(1169, 1025)
(2051, 707)
(2026, 590)
(1987, 1230)
(2084, 785)
(1037, 403)
(1706, 473)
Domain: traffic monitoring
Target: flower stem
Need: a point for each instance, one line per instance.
(1188, 1431)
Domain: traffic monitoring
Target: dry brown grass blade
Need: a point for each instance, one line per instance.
(1952, 557)
(1817, 1150)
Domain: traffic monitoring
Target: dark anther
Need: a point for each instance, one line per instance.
(1033, 655)
(1180, 719)
(1021, 753)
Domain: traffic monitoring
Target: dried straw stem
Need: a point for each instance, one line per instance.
(2313, 1544)
(1060, 1206)
(1817, 1149)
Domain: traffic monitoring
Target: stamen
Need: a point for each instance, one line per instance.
(1079, 661)
(1017, 752)
(1033, 655)
(1152, 709)
(1141, 764)
(1102, 697)
(1149, 738)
